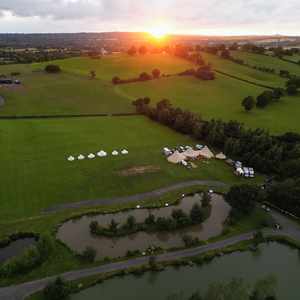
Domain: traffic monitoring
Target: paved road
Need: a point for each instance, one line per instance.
(19, 292)
(134, 198)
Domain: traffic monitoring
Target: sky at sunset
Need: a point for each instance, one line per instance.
(213, 17)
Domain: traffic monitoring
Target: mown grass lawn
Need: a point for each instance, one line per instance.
(267, 61)
(36, 174)
(243, 72)
(220, 99)
(124, 65)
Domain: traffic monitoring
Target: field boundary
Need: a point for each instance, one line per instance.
(290, 61)
(22, 117)
(245, 80)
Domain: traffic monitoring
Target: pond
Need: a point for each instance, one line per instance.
(76, 233)
(272, 259)
(16, 248)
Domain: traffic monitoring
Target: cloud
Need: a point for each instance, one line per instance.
(184, 15)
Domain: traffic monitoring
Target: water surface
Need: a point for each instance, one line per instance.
(16, 248)
(76, 233)
(272, 259)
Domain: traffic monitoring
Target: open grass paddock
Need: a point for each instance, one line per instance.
(267, 61)
(36, 174)
(58, 94)
(124, 66)
(220, 99)
(243, 72)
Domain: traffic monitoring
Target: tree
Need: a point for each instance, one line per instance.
(89, 254)
(113, 225)
(156, 73)
(278, 93)
(145, 76)
(206, 198)
(264, 99)
(196, 214)
(131, 222)
(92, 74)
(94, 226)
(116, 80)
(57, 290)
(143, 50)
(150, 220)
(225, 54)
(292, 90)
(248, 103)
(132, 51)
(189, 241)
(52, 69)
(242, 198)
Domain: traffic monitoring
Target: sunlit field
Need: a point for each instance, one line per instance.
(35, 173)
(267, 61)
(124, 66)
(243, 72)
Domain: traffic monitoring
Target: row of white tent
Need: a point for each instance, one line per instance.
(99, 154)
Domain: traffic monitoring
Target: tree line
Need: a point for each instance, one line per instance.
(255, 147)
(31, 56)
(178, 219)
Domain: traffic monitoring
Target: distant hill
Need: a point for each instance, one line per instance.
(122, 39)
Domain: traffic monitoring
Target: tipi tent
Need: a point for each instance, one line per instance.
(81, 157)
(102, 153)
(190, 153)
(91, 156)
(206, 153)
(221, 156)
(71, 158)
(124, 152)
(176, 158)
(115, 153)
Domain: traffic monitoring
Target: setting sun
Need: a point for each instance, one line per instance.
(159, 32)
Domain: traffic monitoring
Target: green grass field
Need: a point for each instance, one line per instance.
(55, 94)
(36, 174)
(72, 91)
(267, 61)
(124, 66)
(220, 99)
(295, 58)
(243, 72)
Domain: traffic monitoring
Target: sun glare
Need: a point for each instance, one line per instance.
(158, 32)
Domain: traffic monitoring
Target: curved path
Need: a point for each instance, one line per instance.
(136, 197)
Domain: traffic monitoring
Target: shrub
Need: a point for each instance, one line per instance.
(248, 103)
(57, 290)
(52, 69)
(89, 254)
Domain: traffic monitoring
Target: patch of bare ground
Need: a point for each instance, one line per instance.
(139, 170)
